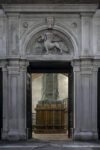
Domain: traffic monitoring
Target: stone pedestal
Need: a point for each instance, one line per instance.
(85, 100)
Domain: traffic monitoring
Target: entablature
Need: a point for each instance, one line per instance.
(49, 8)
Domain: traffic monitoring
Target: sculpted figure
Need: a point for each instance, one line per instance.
(49, 43)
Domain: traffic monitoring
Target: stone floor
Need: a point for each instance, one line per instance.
(63, 136)
(49, 145)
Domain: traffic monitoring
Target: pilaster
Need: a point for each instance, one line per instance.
(5, 103)
(85, 97)
(14, 121)
(87, 34)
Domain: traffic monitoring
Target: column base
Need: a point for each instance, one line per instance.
(4, 135)
(14, 135)
(85, 136)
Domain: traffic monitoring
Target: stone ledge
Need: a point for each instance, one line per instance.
(14, 135)
(85, 136)
(55, 8)
(46, 1)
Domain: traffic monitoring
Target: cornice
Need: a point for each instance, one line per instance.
(50, 8)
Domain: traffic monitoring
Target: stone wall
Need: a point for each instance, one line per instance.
(58, 33)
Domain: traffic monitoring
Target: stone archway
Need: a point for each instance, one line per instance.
(50, 44)
(15, 75)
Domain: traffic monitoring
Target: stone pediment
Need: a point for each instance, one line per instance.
(49, 42)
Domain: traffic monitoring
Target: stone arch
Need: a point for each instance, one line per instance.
(34, 31)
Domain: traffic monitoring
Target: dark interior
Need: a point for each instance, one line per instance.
(49, 67)
(1, 101)
(98, 104)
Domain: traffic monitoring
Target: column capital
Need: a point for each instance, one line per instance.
(3, 63)
(76, 65)
(4, 69)
(16, 66)
(13, 15)
(17, 62)
(85, 65)
(13, 70)
(89, 14)
(76, 69)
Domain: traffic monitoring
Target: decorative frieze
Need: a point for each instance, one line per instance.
(87, 33)
(13, 35)
(2, 38)
(98, 38)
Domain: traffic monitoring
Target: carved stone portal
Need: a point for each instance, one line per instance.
(49, 42)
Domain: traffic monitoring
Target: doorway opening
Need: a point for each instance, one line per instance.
(50, 110)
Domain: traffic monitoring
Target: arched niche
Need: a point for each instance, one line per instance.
(56, 41)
